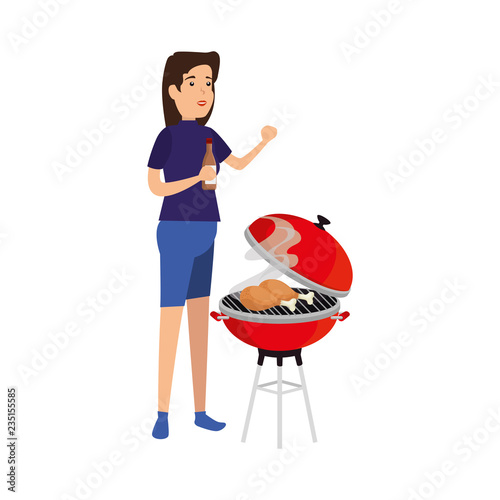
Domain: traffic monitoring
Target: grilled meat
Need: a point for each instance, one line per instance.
(257, 298)
(283, 292)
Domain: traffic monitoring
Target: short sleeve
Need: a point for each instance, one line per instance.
(161, 150)
(221, 149)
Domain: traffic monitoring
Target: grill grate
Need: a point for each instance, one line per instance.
(321, 303)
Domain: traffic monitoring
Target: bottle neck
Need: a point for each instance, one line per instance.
(209, 147)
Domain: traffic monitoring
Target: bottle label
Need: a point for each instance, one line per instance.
(213, 182)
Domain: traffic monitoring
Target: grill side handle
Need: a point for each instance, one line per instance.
(218, 316)
(341, 317)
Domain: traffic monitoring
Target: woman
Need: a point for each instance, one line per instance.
(188, 219)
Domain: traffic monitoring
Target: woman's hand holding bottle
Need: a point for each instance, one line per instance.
(207, 173)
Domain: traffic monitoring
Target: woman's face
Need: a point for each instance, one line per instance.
(195, 98)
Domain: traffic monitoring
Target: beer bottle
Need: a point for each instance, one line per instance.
(209, 160)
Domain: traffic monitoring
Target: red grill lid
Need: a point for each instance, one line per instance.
(303, 250)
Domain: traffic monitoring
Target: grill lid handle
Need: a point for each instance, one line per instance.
(322, 221)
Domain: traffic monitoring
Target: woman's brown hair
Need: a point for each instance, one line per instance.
(177, 65)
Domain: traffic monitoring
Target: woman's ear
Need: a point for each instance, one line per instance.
(173, 92)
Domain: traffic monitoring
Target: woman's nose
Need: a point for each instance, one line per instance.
(202, 90)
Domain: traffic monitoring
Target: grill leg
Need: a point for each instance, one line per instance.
(308, 404)
(250, 405)
(280, 407)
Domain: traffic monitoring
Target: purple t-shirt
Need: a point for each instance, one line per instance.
(179, 151)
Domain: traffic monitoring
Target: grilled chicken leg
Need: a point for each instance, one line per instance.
(257, 298)
(282, 291)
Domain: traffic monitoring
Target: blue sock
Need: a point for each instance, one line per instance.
(203, 420)
(160, 430)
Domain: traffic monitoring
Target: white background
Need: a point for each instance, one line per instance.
(346, 123)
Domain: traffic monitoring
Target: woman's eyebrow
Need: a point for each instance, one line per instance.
(187, 78)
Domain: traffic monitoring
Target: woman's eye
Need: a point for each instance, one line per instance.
(209, 83)
(191, 84)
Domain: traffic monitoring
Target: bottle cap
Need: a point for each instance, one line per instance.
(209, 141)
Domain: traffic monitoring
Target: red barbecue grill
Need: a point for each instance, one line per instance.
(306, 252)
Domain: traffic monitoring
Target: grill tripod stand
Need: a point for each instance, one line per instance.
(279, 355)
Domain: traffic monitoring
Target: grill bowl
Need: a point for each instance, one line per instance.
(278, 329)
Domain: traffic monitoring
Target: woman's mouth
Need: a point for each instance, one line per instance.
(202, 103)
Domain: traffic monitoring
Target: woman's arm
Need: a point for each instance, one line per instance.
(160, 188)
(268, 133)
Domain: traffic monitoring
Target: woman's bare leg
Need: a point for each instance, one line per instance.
(198, 341)
(170, 323)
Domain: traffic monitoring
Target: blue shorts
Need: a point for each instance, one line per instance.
(186, 258)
